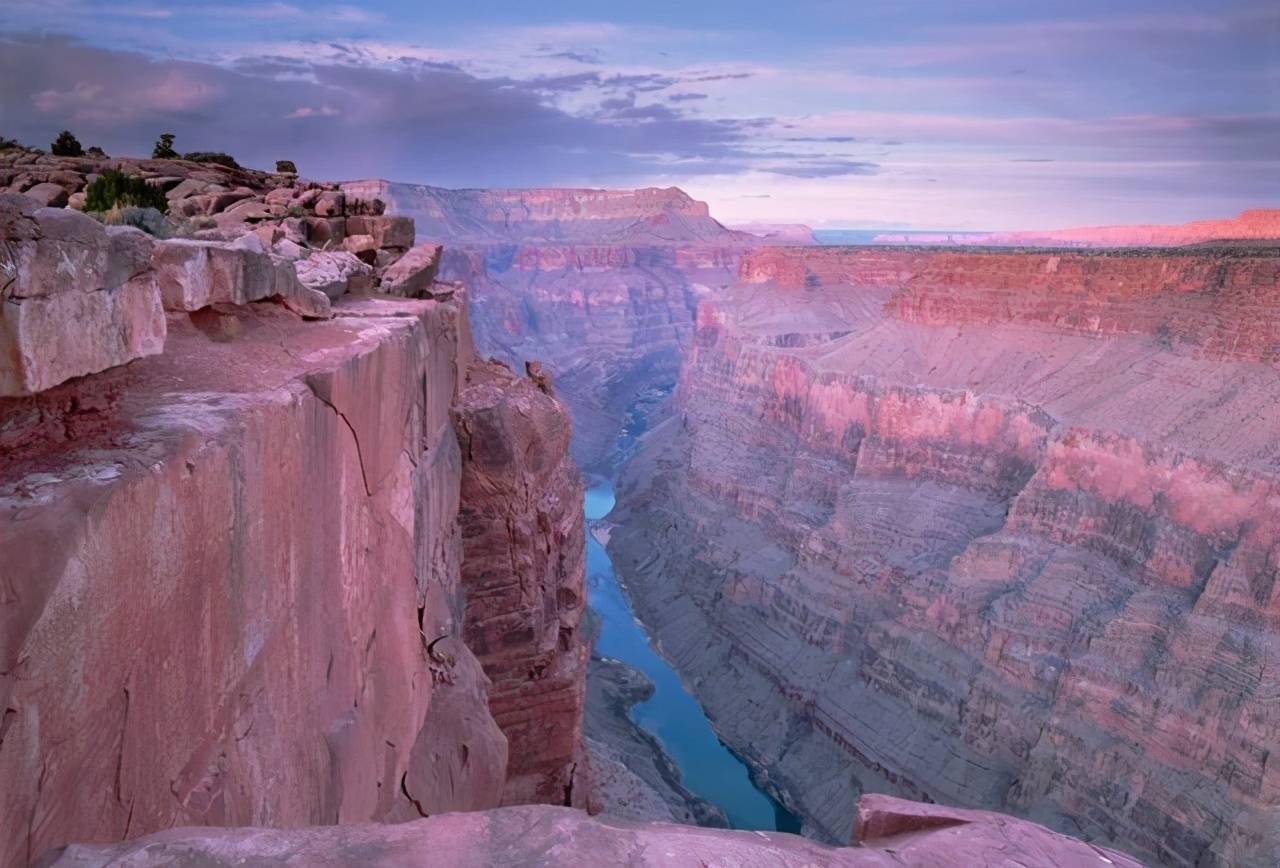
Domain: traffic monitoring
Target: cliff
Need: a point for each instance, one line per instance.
(994, 529)
(1260, 225)
(600, 285)
(234, 525)
(524, 569)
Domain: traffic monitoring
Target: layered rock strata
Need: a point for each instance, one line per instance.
(599, 285)
(1259, 226)
(993, 530)
(900, 834)
(524, 572)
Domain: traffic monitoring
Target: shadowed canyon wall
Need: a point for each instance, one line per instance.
(992, 529)
(600, 285)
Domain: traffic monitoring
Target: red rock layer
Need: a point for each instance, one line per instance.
(524, 574)
(1258, 225)
(608, 321)
(1219, 305)
(898, 833)
(217, 569)
(979, 552)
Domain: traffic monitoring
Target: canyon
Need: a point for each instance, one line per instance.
(986, 528)
(285, 553)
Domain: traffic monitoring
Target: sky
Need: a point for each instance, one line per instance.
(928, 114)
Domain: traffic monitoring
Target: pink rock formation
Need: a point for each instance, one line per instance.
(995, 529)
(932, 838)
(75, 297)
(1258, 225)
(524, 574)
(791, 234)
(412, 275)
(600, 285)
(266, 661)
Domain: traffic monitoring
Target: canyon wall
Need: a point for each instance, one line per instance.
(997, 530)
(1259, 226)
(601, 286)
(233, 588)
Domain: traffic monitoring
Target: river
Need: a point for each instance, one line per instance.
(707, 767)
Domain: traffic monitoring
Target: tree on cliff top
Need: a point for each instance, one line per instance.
(66, 145)
(164, 148)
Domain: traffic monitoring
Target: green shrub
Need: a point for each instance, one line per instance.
(286, 167)
(117, 190)
(66, 145)
(6, 143)
(212, 157)
(95, 151)
(164, 148)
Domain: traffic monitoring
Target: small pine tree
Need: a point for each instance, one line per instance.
(66, 145)
(164, 148)
(115, 189)
(286, 167)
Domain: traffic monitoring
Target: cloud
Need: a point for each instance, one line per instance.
(415, 120)
(825, 169)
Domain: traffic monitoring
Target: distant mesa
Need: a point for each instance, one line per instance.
(1251, 227)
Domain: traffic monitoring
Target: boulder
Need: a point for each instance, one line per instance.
(335, 273)
(362, 246)
(246, 211)
(195, 274)
(188, 187)
(75, 297)
(324, 232)
(48, 194)
(411, 275)
(387, 231)
(330, 203)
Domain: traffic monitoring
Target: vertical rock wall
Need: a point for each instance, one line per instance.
(524, 572)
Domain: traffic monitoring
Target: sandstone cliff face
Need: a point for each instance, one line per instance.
(524, 572)
(893, 833)
(219, 567)
(996, 530)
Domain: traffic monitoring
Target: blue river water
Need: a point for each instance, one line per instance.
(707, 767)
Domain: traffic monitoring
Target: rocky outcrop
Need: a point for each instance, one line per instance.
(524, 574)
(1258, 226)
(931, 838)
(75, 297)
(994, 529)
(304, 481)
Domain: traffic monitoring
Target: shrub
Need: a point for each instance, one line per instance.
(164, 148)
(286, 167)
(212, 157)
(149, 220)
(66, 145)
(7, 144)
(117, 190)
(95, 151)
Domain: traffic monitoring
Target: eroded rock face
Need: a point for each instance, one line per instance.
(524, 574)
(220, 567)
(600, 285)
(545, 836)
(75, 297)
(998, 530)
